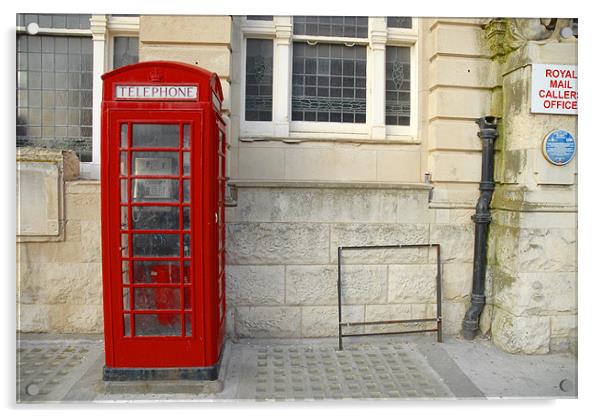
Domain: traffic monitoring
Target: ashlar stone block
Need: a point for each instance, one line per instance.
(255, 285)
(277, 243)
(311, 285)
(268, 322)
(521, 334)
(412, 283)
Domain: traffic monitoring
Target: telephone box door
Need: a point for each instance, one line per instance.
(154, 162)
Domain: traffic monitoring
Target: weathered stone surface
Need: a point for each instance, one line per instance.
(521, 334)
(268, 322)
(319, 321)
(298, 204)
(77, 318)
(311, 285)
(485, 319)
(537, 293)
(91, 245)
(452, 315)
(255, 285)
(82, 206)
(547, 250)
(412, 283)
(456, 281)
(379, 234)
(66, 283)
(457, 242)
(364, 284)
(277, 243)
(563, 333)
(33, 318)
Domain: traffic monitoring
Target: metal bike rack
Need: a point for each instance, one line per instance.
(400, 321)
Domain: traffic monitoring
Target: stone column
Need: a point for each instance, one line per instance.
(531, 289)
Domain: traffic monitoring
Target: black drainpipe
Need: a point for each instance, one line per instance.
(482, 218)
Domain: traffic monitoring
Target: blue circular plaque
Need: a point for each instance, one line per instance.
(559, 147)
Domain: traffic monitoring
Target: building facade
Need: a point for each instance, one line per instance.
(341, 131)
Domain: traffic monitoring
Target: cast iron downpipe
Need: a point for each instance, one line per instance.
(481, 218)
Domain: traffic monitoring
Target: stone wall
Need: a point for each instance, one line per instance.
(532, 278)
(282, 242)
(59, 282)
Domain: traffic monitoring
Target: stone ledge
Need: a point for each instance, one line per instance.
(421, 187)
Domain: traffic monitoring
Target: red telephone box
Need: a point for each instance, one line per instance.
(162, 188)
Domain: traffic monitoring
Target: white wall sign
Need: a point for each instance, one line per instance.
(554, 89)
(156, 92)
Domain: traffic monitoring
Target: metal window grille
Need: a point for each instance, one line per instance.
(54, 89)
(329, 83)
(258, 88)
(399, 22)
(397, 102)
(337, 26)
(125, 51)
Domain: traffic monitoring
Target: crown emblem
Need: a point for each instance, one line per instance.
(156, 75)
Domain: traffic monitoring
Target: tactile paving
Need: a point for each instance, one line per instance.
(375, 371)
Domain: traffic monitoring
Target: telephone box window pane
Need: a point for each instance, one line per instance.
(156, 135)
(258, 90)
(399, 22)
(124, 135)
(186, 136)
(186, 187)
(157, 298)
(340, 26)
(155, 190)
(186, 164)
(156, 163)
(186, 217)
(125, 51)
(124, 245)
(187, 298)
(329, 83)
(158, 325)
(155, 272)
(123, 164)
(125, 271)
(126, 325)
(186, 245)
(186, 271)
(126, 298)
(124, 217)
(188, 321)
(155, 217)
(156, 245)
(124, 191)
(397, 93)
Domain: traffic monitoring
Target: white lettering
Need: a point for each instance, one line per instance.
(155, 92)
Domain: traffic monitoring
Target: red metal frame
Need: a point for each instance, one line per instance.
(202, 293)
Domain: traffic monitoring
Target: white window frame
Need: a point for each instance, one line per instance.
(104, 28)
(282, 127)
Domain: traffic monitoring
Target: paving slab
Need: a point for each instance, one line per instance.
(59, 368)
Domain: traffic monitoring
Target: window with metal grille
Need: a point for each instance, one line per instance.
(329, 83)
(329, 78)
(125, 51)
(399, 22)
(397, 101)
(54, 85)
(258, 87)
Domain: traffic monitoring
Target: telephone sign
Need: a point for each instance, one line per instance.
(162, 186)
